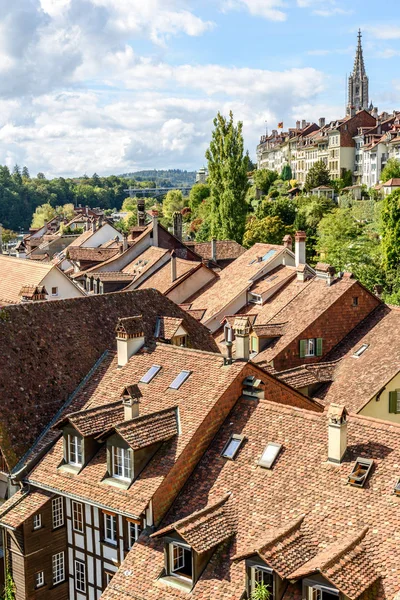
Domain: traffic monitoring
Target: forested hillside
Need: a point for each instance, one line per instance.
(164, 178)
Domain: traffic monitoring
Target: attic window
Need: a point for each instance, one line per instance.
(151, 373)
(360, 351)
(255, 298)
(269, 455)
(179, 380)
(232, 447)
(269, 255)
(360, 472)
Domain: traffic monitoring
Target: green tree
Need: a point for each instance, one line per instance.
(286, 174)
(41, 176)
(282, 207)
(174, 202)
(269, 230)
(264, 178)
(317, 175)
(197, 194)
(25, 173)
(42, 215)
(390, 230)
(391, 170)
(227, 168)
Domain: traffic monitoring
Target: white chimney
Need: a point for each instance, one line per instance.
(130, 401)
(241, 327)
(130, 338)
(337, 433)
(173, 266)
(300, 248)
(154, 216)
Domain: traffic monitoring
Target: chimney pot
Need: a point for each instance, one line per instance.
(173, 266)
(298, 124)
(130, 338)
(130, 401)
(241, 328)
(303, 124)
(214, 250)
(337, 433)
(154, 216)
(322, 122)
(177, 225)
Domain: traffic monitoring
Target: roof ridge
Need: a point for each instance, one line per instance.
(283, 533)
(145, 416)
(184, 349)
(347, 548)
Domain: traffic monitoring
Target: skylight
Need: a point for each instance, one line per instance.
(181, 378)
(151, 373)
(360, 351)
(269, 455)
(232, 447)
(269, 255)
(360, 472)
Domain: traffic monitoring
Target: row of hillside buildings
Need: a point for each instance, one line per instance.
(232, 420)
(361, 142)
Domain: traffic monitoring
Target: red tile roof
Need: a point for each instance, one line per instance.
(21, 506)
(149, 429)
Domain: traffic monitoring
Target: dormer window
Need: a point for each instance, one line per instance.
(318, 591)
(180, 561)
(261, 580)
(122, 463)
(74, 450)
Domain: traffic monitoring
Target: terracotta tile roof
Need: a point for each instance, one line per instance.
(197, 314)
(91, 254)
(62, 340)
(306, 375)
(149, 429)
(395, 182)
(95, 420)
(133, 325)
(275, 277)
(116, 276)
(145, 261)
(299, 511)
(208, 381)
(161, 279)
(82, 238)
(226, 249)
(234, 279)
(167, 327)
(18, 272)
(21, 506)
(208, 527)
(365, 376)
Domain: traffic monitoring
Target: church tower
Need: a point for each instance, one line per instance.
(358, 83)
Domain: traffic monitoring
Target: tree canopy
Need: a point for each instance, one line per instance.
(317, 175)
(391, 170)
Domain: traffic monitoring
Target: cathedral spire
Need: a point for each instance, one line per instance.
(358, 82)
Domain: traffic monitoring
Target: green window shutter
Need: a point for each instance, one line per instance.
(319, 346)
(392, 402)
(303, 348)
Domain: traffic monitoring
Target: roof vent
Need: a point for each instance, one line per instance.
(130, 338)
(337, 433)
(130, 399)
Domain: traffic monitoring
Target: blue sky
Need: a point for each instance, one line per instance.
(118, 85)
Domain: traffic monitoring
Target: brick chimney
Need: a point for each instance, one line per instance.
(177, 225)
(288, 242)
(321, 122)
(241, 327)
(300, 248)
(173, 266)
(141, 213)
(337, 433)
(303, 124)
(130, 400)
(298, 124)
(130, 338)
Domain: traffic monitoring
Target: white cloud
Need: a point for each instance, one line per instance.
(383, 31)
(324, 8)
(268, 9)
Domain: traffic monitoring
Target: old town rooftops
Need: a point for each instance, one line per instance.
(62, 340)
(208, 379)
(297, 517)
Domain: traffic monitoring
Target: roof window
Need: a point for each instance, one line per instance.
(397, 488)
(269, 455)
(360, 472)
(360, 351)
(232, 447)
(151, 373)
(179, 380)
(269, 255)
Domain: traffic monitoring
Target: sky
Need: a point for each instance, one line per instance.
(114, 86)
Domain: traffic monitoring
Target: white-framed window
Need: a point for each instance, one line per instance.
(133, 533)
(121, 463)
(80, 576)
(39, 579)
(310, 347)
(37, 521)
(262, 576)
(74, 450)
(58, 567)
(321, 592)
(54, 291)
(180, 556)
(77, 517)
(110, 528)
(58, 512)
(397, 401)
